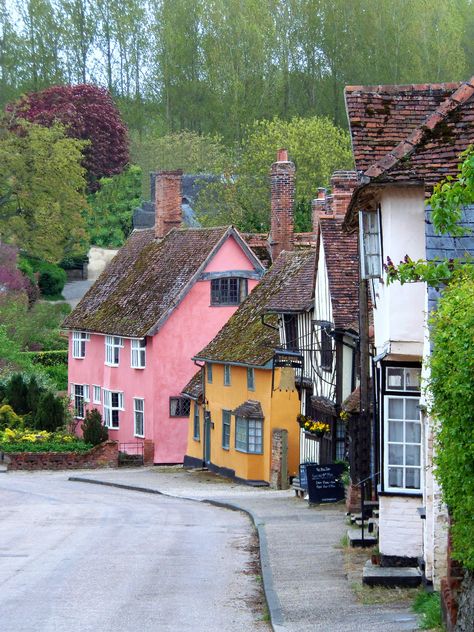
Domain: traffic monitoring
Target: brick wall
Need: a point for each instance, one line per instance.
(168, 200)
(148, 452)
(103, 455)
(282, 199)
(279, 463)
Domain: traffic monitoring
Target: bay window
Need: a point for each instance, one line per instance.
(249, 435)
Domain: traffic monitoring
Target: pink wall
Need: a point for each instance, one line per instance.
(168, 363)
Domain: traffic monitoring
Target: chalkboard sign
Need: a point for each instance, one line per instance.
(303, 477)
(324, 483)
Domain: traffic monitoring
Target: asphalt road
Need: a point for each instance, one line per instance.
(75, 557)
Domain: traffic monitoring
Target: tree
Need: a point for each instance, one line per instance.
(87, 113)
(49, 413)
(315, 145)
(42, 190)
(93, 429)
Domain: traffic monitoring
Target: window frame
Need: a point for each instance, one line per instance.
(227, 375)
(80, 399)
(226, 428)
(255, 422)
(222, 294)
(250, 378)
(95, 399)
(181, 400)
(109, 408)
(209, 372)
(138, 353)
(290, 327)
(370, 244)
(196, 422)
(137, 411)
(326, 348)
(113, 344)
(79, 339)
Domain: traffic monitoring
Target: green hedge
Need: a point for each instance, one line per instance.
(452, 388)
(46, 446)
(48, 358)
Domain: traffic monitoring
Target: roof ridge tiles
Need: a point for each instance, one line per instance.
(406, 87)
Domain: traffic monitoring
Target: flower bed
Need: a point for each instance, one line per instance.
(40, 441)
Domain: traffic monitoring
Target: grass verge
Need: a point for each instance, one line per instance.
(428, 605)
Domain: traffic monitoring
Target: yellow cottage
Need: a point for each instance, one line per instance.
(240, 402)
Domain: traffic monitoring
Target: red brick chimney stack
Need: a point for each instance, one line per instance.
(168, 199)
(343, 184)
(317, 208)
(282, 199)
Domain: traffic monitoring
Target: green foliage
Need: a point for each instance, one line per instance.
(77, 446)
(41, 190)
(16, 393)
(429, 606)
(51, 280)
(11, 357)
(8, 418)
(112, 205)
(315, 145)
(58, 375)
(452, 389)
(93, 430)
(49, 413)
(57, 357)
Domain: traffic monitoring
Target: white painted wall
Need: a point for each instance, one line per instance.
(400, 526)
(399, 313)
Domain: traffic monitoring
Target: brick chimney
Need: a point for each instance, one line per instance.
(343, 184)
(168, 199)
(317, 208)
(282, 199)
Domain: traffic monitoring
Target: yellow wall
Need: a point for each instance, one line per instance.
(279, 411)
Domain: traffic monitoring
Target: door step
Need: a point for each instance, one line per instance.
(391, 576)
(355, 538)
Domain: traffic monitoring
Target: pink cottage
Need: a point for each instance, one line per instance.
(165, 295)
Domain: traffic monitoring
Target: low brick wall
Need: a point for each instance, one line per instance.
(148, 452)
(103, 455)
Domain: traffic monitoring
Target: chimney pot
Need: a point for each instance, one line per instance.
(282, 155)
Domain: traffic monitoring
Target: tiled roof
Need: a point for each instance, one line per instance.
(259, 243)
(193, 388)
(342, 262)
(413, 132)
(297, 294)
(244, 339)
(250, 409)
(145, 281)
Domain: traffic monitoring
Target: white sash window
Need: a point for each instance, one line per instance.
(113, 344)
(139, 416)
(370, 244)
(79, 339)
(138, 353)
(113, 404)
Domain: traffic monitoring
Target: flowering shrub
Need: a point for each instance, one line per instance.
(29, 440)
(310, 425)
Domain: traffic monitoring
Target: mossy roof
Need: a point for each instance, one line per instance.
(244, 339)
(145, 281)
(193, 388)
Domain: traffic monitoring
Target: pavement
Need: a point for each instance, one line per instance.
(304, 579)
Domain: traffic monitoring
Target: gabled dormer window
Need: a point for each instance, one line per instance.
(228, 291)
(138, 353)
(113, 344)
(370, 244)
(79, 339)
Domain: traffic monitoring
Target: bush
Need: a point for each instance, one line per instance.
(57, 357)
(93, 430)
(16, 393)
(50, 412)
(429, 606)
(52, 279)
(13, 440)
(8, 418)
(58, 375)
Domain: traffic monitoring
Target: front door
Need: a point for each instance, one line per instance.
(207, 437)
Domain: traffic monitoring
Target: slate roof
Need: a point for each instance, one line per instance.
(298, 294)
(145, 281)
(250, 409)
(193, 388)
(342, 263)
(410, 133)
(244, 339)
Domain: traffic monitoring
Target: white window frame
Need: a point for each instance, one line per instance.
(137, 412)
(109, 408)
(79, 339)
(370, 240)
(96, 394)
(138, 353)
(80, 395)
(227, 375)
(404, 443)
(253, 430)
(113, 344)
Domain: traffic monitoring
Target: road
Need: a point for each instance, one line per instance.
(76, 557)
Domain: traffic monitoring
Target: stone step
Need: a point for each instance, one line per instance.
(391, 576)
(355, 538)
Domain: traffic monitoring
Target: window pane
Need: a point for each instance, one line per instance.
(241, 434)
(395, 408)
(412, 455)
(395, 431)
(412, 432)
(395, 454)
(395, 476)
(411, 409)
(395, 379)
(412, 379)
(412, 476)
